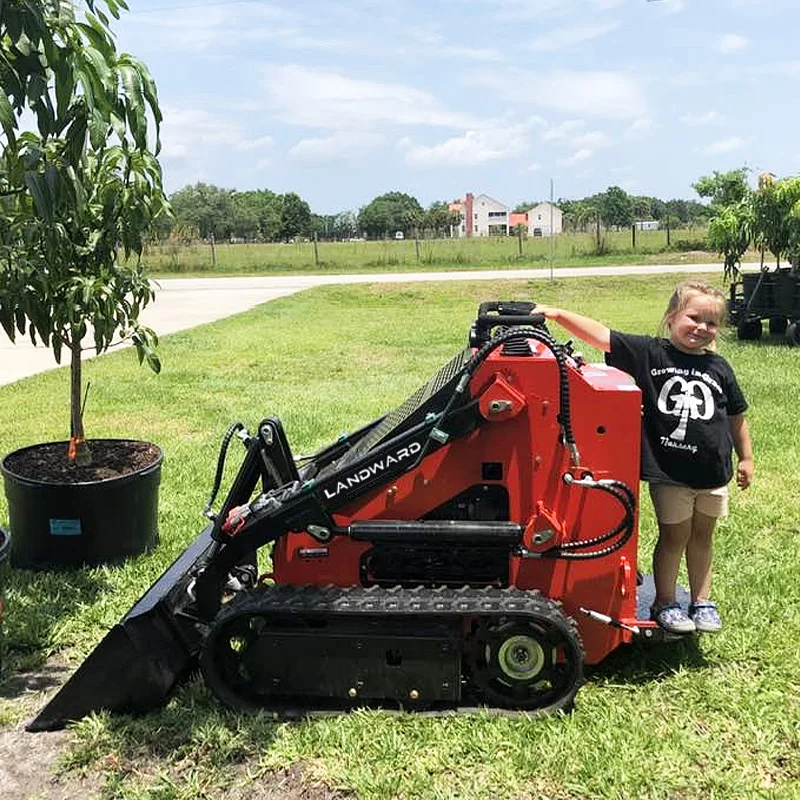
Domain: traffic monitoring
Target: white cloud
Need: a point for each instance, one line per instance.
(534, 167)
(474, 147)
(606, 94)
(730, 43)
(567, 37)
(602, 94)
(319, 98)
(563, 130)
(708, 118)
(576, 158)
(341, 146)
(591, 140)
(725, 145)
(467, 53)
(639, 128)
(186, 131)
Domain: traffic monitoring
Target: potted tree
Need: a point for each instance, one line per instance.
(74, 195)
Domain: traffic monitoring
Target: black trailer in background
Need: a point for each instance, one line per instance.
(772, 295)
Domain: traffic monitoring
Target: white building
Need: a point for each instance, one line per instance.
(489, 216)
(481, 215)
(545, 219)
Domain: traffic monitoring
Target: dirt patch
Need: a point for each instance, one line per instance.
(29, 768)
(111, 458)
(31, 763)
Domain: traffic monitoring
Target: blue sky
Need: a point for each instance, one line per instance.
(341, 101)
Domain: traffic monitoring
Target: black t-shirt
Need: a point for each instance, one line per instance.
(686, 400)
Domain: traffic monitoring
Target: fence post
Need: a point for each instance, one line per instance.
(519, 239)
(316, 251)
(633, 236)
(416, 242)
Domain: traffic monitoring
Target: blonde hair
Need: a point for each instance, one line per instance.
(684, 292)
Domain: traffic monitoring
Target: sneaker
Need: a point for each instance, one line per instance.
(672, 618)
(705, 617)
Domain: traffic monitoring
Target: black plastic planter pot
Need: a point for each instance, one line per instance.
(5, 546)
(70, 524)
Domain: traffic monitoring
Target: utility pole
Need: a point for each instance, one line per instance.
(552, 233)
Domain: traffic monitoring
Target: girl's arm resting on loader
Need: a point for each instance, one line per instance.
(585, 328)
(744, 450)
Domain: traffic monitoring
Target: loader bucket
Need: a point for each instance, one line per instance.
(141, 660)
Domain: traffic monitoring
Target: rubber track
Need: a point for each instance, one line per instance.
(396, 601)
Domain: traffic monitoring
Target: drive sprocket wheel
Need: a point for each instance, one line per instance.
(533, 663)
(225, 659)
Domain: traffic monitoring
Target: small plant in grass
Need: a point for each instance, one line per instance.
(80, 190)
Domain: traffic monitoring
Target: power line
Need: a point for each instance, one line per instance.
(133, 12)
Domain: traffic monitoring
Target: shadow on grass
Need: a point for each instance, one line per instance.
(192, 719)
(642, 663)
(38, 607)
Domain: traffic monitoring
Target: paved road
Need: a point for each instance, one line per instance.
(183, 303)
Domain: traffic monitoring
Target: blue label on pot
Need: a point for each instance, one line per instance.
(65, 527)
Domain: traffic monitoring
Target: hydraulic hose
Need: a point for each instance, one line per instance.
(624, 495)
(208, 511)
(468, 370)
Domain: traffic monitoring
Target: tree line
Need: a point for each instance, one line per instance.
(216, 214)
(766, 217)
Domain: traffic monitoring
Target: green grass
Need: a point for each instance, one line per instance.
(686, 246)
(716, 718)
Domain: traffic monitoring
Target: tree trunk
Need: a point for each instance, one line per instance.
(78, 449)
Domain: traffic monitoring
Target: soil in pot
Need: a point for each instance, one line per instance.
(111, 458)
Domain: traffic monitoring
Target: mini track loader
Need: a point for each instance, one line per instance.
(474, 547)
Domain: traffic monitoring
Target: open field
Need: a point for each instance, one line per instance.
(715, 717)
(687, 246)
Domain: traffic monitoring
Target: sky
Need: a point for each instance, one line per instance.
(344, 100)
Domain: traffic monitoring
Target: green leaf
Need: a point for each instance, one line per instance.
(137, 117)
(99, 68)
(7, 121)
(38, 189)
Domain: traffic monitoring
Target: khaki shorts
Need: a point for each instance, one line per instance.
(675, 504)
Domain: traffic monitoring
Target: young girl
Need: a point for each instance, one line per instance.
(693, 415)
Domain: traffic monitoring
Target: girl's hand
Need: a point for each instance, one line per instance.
(744, 473)
(548, 311)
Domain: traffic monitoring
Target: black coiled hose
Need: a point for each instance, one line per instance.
(468, 370)
(208, 511)
(622, 493)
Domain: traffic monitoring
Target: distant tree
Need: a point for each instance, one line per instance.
(345, 225)
(658, 208)
(776, 208)
(209, 209)
(616, 207)
(245, 218)
(642, 207)
(730, 232)
(390, 212)
(723, 188)
(526, 205)
(439, 219)
(257, 214)
(295, 217)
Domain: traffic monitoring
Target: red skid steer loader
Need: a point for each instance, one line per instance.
(474, 547)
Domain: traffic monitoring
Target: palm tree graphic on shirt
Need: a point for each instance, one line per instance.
(685, 400)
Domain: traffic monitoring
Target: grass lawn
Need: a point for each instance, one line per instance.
(716, 717)
(571, 249)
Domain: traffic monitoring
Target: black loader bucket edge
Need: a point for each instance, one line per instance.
(142, 658)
